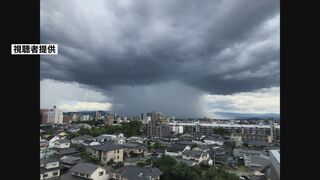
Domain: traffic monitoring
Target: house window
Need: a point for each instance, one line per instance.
(101, 173)
(118, 151)
(117, 157)
(56, 173)
(115, 151)
(45, 175)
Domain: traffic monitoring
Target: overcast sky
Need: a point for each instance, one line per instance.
(181, 57)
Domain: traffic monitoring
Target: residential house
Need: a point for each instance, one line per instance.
(197, 156)
(257, 162)
(47, 152)
(73, 129)
(210, 140)
(240, 152)
(186, 142)
(203, 148)
(67, 151)
(80, 139)
(135, 172)
(89, 142)
(69, 161)
(165, 143)
(61, 143)
(176, 149)
(222, 157)
(170, 137)
(118, 139)
(135, 139)
(44, 144)
(134, 149)
(84, 170)
(52, 140)
(49, 168)
(108, 152)
(62, 134)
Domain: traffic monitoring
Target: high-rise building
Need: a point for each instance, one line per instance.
(158, 126)
(109, 118)
(75, 117)
(67, 118)
(55, 116)
(271, 122)
(44, 116)
(98, 115)
(85, 117)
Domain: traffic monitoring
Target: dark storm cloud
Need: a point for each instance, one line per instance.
(172, 98)
(107, 43)
(162, 54)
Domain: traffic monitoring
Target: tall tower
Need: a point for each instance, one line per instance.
(271, 122)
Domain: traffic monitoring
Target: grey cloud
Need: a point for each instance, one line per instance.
(215, 46)
(149, 42)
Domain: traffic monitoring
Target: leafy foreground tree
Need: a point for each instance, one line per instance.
(219, 174)
(173, 170)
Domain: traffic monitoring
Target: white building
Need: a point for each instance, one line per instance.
(55, 116)
(52, 140)
(61, 143)
(49, 168)
(85, 117)
(274, 165)
(84, 170)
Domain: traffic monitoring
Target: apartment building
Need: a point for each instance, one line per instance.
(108, 152)
(248, 132)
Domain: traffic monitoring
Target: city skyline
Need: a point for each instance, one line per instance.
(180, 58)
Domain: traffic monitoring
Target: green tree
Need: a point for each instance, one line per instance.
(72, 135)
(218, 173)
(192, 175)
(157, 145)
(88, 158)
(179, 170)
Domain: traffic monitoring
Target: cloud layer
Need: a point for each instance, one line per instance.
(216, 47)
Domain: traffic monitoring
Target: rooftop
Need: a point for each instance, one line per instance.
(276, 154)
(107, 147)
(84, 137)
(70, 160)
(63, 141)
(84, 168)
(136, 172)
